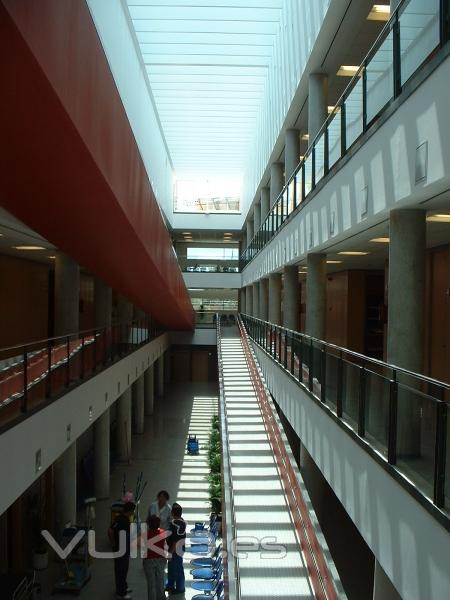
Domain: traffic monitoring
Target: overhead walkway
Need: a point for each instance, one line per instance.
(267, 505)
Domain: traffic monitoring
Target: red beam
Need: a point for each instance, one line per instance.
(70, 167)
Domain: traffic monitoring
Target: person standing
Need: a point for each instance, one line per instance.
(176, 544)
(122, 562)
(162, 509)
(155, 561)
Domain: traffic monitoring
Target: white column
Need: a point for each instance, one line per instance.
(291, 298)
(149, 390)
(256, 300)
(249, 300)
(256, 217)
(138, 406)
(160, 376)
(276, 181)
(264, 299)
(291, 152)
(67, 301)
(317, 103)
(66, 488)
(242, 299)
(101, 456)
(103, 316)
(250, 231)
(275, 298)
(124, 426)
(265, 203)
(316, 295)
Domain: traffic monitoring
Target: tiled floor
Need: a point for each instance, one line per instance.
(161, 454)
(261, 509)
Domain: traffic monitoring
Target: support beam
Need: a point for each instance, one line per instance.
(123, 431)
(256, 218)
(138, 405)
(249, 300)
(291, 152)
(242, 301)
(102, 304)
(149, 390)
(265, 203)
(264, 299)
(276, 181)
(256, 300)
(250, 230)
(316, 296)
(66, 488)
(101, 456)
(291, 298)
(317, 103)
(67, 295)
(160, 376)
(275, 298)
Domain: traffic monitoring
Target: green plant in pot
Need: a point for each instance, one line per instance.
(215, 461)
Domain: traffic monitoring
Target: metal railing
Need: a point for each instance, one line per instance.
(416, 29)
(318, 571)
(401, 417)
(31, 375)
(232, 578)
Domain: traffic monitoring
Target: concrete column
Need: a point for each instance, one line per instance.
(138, 405)
(291, 152)
(316, 295)
(124, 426)
(256, 300)
(405, 346)
(66, 488)
(103, 318)
(102, 304)
(250, 231)
(67, 295)
(242, 299)
(276, 181)
(160, 376)
(149, 390)
(67, 301)
(249, 299)
(275, 298)
(291, 298)
(101, 456)
(406, 317)
(264, 299)
(265, 203)
(383, 588)
(317, 103)
(256, 217)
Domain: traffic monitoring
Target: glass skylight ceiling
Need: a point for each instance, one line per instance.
(207, 63)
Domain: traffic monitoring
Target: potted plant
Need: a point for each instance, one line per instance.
(215, 461)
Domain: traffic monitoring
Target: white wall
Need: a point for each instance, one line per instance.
(385, 166)
(129, 74)
(408, 542)
(212, 280)
(46, 430)
(201, 336)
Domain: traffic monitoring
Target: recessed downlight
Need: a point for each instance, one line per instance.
(353, 253)
(347, 70)
(380, 240)
(29, 248)
(305, 137)
(334, 262)
(439, 218)
(379, 12)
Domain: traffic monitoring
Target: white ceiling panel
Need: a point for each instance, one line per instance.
(207, 62)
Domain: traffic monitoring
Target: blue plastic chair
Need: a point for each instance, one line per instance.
(193, 447)
(210, 585)
(218, 593)
(207, 573)
(206, 561)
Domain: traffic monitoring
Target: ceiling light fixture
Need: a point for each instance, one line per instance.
(380, 240)
(379, 12)
(305, 137)
(348, 71)
(29, 248)
(334, 262)
(52, 257)
(353, 253)
(442, 218)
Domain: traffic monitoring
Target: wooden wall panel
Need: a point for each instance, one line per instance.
(23, 301)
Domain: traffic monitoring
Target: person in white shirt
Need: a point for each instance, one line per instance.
(162, 509)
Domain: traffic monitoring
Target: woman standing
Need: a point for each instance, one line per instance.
(155, 561)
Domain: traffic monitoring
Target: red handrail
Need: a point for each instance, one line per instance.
(319, 573)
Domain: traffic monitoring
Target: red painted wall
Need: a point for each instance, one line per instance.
(69, 164)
